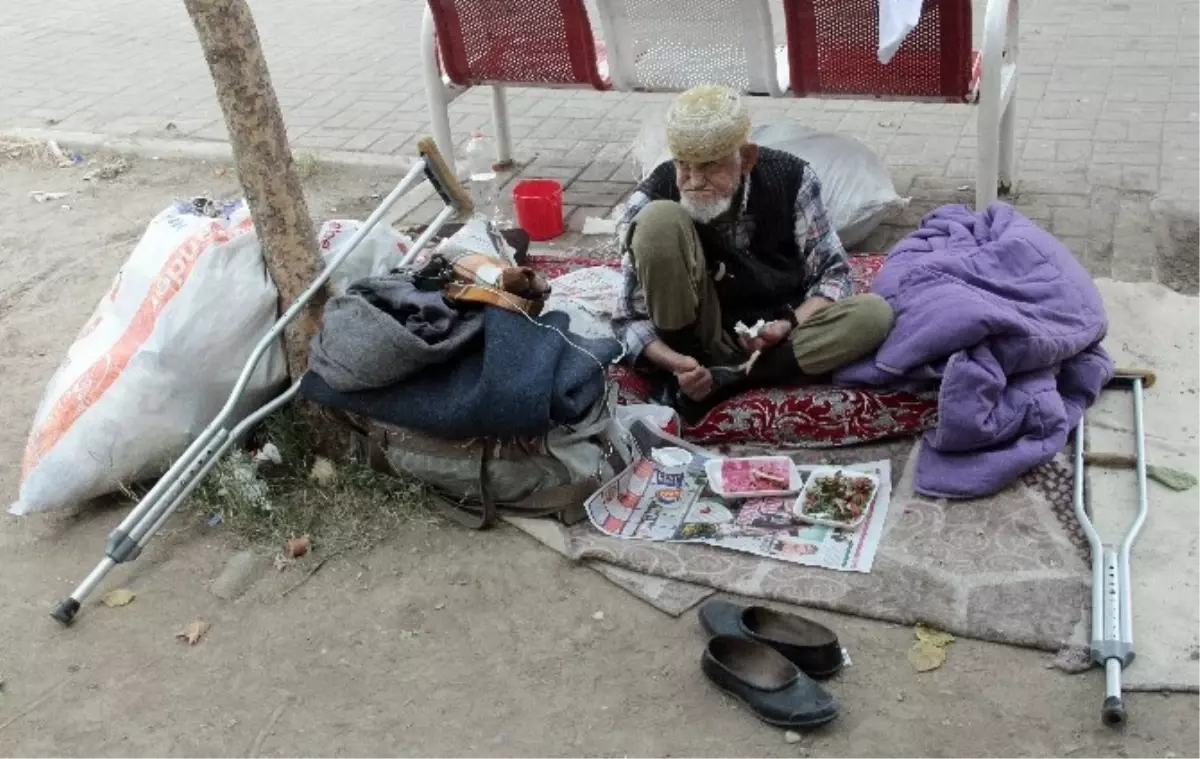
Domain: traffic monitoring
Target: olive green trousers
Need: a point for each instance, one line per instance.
(680, 294)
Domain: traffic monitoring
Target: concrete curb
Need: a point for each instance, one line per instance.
(206, 150)
(210, 150)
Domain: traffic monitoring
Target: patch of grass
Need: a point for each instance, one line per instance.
(266, 503)
(307, 165)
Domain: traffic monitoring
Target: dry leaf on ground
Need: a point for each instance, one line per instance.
(934, 636)
(925, 656)
(194, 631)
(929, 652)
(118, 597)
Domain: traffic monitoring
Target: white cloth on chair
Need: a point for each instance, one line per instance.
(896, 19)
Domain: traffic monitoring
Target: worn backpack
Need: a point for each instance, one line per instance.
(476, 481)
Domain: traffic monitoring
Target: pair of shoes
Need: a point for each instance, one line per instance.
(767, 660)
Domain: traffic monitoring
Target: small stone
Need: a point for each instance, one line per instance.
(598, 616)
(791, 736)
(900, 696)
(1170, 755)
(439, 606)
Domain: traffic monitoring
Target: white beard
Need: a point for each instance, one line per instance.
(704, 211)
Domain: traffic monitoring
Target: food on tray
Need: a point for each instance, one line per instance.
(838, 497)
(752, 476)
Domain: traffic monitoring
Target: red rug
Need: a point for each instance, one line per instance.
(806, 417)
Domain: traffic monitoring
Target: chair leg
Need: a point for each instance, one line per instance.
(988, 172)
(1007, 138)
(504, 157)
(997, 101)
(435, 93)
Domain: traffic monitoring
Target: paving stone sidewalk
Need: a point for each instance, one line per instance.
(1107, 109)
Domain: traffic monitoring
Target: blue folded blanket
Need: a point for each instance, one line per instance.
(522, 379)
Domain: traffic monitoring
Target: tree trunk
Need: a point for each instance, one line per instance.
(263, 161)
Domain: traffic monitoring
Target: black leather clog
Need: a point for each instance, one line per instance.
(811, 646)
(767, 683)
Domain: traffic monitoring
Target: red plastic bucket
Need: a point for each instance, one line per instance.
(538, 204)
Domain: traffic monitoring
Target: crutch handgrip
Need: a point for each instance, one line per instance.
(1111, 460)
(1126, 376)
(443, 180)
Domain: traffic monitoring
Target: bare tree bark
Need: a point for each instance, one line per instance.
(263, 160)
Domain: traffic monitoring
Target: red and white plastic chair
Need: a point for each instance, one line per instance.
(670, 45)
(832, 52)
(535, 43)
(673, 45)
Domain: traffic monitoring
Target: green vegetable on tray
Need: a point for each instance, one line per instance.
(838, 498)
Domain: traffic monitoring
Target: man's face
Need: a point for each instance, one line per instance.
(706, 189)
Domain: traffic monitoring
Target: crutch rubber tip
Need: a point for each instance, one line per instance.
(65, 611)
(1113, 713)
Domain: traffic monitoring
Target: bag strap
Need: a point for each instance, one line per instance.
(459, 511)
(376, 454)
(482, 513)
(456, 291)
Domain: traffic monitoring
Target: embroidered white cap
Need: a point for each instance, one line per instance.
(707, 123)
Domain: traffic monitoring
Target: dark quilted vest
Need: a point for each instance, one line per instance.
(768, 275)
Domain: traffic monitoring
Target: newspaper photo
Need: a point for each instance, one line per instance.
(645, 502)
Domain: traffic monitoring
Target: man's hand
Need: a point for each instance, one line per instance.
(694, 380)
(768, 336)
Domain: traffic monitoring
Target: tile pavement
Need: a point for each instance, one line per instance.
(1107, 108)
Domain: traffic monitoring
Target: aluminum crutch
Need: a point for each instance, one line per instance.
(1112, 600)
(126, 541)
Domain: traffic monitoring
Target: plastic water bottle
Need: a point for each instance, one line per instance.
(482, 174)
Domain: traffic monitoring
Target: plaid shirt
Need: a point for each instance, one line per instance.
(822, 256)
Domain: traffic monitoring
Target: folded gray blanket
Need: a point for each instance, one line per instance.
(384, 330)
(520, 380)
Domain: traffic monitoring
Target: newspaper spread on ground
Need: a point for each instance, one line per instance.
(639, 505)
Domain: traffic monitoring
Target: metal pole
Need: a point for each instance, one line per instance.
(1143, 509)
(1093, 539)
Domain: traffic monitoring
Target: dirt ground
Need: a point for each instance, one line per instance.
(440, 642)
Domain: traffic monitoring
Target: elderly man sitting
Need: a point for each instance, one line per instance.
(729, 232)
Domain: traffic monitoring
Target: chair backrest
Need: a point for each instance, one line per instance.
(671, 45)
(546, 42)
(833, 48)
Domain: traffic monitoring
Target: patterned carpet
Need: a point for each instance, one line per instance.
(1011, 568)
(1004, 569)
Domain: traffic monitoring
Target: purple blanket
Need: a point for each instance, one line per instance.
(1002, 314)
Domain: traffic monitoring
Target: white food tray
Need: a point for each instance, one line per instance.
(826, 473)
(712, 468)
